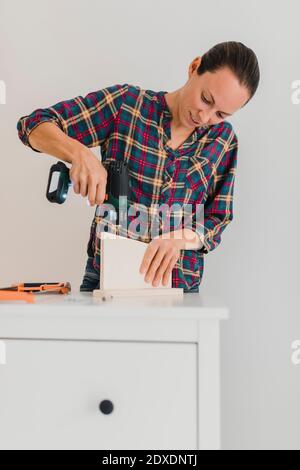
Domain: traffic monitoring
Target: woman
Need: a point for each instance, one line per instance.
(179, 149)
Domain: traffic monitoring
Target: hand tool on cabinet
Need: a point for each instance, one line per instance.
(6, 295)
(39, 288)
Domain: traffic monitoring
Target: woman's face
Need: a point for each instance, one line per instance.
(210, 98)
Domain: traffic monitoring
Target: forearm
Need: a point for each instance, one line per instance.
(50, 139)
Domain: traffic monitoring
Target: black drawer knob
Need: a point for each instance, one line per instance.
(106, 407)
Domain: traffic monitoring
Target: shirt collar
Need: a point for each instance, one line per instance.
(162, 103)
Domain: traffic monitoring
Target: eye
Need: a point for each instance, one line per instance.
(205, 100)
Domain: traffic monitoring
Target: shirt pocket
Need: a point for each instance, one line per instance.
(198, 179)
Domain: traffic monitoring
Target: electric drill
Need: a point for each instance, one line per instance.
(117, 183)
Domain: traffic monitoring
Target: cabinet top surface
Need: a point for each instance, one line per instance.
(191, 305)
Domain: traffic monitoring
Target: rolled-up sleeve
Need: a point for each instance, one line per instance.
(217, 212)
(89, 119)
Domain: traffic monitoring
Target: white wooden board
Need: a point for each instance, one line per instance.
(155, 291)
(121, 258)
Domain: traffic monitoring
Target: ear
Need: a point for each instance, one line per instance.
(194, 65)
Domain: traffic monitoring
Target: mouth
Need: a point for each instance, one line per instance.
(193, 120)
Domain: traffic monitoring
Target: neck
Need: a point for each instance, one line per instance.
(172, 100)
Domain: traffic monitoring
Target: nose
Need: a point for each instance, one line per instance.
(205, 116)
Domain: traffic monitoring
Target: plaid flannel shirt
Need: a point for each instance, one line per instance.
(130, 123)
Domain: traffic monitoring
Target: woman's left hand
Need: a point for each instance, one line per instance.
(160, 258)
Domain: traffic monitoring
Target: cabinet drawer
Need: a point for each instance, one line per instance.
(51, 391)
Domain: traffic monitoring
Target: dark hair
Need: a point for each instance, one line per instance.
(240, 59)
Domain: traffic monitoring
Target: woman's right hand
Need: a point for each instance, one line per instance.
(89, 177)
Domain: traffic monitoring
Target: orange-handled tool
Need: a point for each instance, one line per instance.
(10, 295)
(39, 287)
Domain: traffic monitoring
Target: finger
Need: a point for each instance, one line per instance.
(76, 188)
(75, 182)
(100, 192)
(83, 187)
(168, 272)
(155, 264)
(148, 256)
(92, 192)
(162, 269)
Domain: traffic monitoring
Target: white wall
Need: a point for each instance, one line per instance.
(55, 50)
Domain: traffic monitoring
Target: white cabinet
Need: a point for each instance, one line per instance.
(80, 373)
(52, 393)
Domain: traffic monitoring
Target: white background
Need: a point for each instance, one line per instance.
(55, 50)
